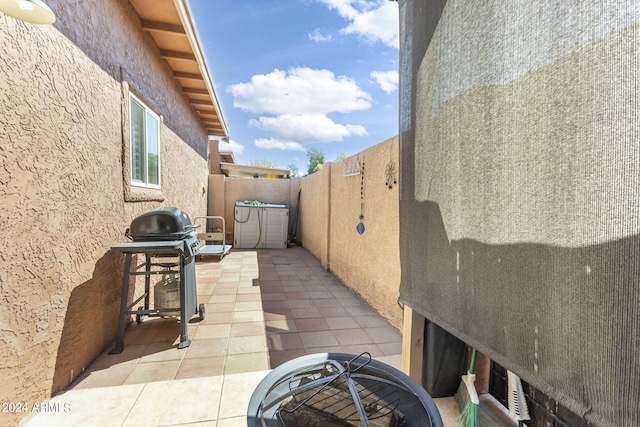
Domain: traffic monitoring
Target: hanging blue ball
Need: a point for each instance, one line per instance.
(360, 228)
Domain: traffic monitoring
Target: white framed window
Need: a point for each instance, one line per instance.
(145, 144)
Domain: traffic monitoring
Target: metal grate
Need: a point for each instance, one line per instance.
(352, 391)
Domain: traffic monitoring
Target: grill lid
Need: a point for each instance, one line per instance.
(163, 223)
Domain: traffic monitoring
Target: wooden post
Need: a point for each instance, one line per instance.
(412, 344)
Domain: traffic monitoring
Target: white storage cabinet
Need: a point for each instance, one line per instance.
(260, 226)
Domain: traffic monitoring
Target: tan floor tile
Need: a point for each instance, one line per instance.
(248, 297)
(226, 284)
(356, 349)
(219, 307)
(167, 335)
(352, 337)
(333, 312)
(212, 423)
(280, 326)
(395, 361)
(275, 305)
(327, 302)
(223, 291)
(283, 342)
(156, 406)
(342, 322)
(209, 347)
(324, 349)
(277, 358)
(248, 316)
(390, 349)
(139, 336)
(217, 299)
(201, 367)
(277, 314)
(247, 344)
(212, 331)
(247, 328)
(160, 352)
(233, 422)
(371, 321)
(130, 354)
(300, 303)
(213, 318)
(249, 362)
(248, 305)
(112, 376)
(236, 392)
(106, 406)
(311, 324)
(305, 313)
(248, 290)
(318, 339)
(153, 371)
(272, 296)
(385, 334)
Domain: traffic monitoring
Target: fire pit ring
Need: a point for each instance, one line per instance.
(336, 389)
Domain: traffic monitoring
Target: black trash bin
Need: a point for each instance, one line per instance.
(442, 364)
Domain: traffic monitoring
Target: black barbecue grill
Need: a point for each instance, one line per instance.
(166, 238)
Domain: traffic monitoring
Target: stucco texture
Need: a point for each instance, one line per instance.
(369, 262)
(64, 183)
(520, 198)
(332, 201)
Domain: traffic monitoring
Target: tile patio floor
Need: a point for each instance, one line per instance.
(263, 307)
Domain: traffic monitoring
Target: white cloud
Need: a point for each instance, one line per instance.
(274, 144)
(306, 128)
(373, 20)
(388, 80)
(318, 37)
(299, 91)
(295, 105)
(232, 145)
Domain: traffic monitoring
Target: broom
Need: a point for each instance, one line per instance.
(467, 396)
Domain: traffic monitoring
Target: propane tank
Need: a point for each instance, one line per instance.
(166, 292)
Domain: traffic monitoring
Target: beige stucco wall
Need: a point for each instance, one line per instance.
(368, 263)
(331, 202)
(314, 213)
(61, 183)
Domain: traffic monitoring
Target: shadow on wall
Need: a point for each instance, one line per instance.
(91, 320)
(566, 319)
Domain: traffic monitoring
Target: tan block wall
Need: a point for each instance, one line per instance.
(369, 264)
(315, 213)
(62, 191)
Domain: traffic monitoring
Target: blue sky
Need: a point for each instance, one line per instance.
(296, 74)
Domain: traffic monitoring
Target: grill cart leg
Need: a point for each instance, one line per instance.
(147, 281)
(123, 306)
(185, 314)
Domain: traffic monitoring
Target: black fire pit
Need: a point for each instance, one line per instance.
(335, 389)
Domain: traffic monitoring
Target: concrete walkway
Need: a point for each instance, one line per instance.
(263, 307)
